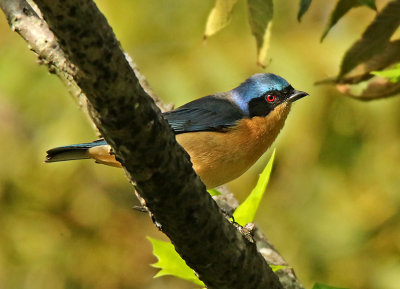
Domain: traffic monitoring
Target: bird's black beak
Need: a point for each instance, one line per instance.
(297, 94)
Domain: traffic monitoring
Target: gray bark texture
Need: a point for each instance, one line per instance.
(81, 48)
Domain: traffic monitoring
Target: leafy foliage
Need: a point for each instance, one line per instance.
(392, 74)
(172, 264)
(375, 38)
(246, 211)
(260, 17)
(169, 260)
(374, 51)
(363, 71)
(219, 16)
(213, 192)
(374, 88)
(342, 7)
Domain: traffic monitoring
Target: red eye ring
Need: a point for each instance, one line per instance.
(270, 98)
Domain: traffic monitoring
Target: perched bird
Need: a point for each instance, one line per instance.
(224, 133)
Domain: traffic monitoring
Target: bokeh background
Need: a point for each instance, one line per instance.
(333, 204)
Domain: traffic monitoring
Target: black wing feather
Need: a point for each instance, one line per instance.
(209, 113)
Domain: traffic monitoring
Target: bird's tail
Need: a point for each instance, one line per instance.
(98, 150)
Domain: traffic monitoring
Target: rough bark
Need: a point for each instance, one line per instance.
(88, 58)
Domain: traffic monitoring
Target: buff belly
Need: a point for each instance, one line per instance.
(219, 157)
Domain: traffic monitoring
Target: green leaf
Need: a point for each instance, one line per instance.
(392, 74)
(219, 16)
(171, 263)
(370, 3)
(304, 5)
(375, 38)
(260, 16)
(342, 7)
(277, 267)
(246, 211)
(214, 192)
(323, 286)
(381, 60)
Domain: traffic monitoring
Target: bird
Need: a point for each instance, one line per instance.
(223, 133)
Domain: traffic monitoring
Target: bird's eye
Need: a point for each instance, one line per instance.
(270, 97)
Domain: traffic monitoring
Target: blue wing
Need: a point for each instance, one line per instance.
(209, 113)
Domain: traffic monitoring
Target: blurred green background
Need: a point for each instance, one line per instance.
(333, 204)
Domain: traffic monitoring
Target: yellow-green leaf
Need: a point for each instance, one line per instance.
(260, 17)
(214, 192)
(277, 267)
(219, 16)
(263, 51)
(246, 211)
(171, 263)
(392, 74)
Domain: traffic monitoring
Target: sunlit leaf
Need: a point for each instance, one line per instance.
(374, 39)
(219, 16)
(392, 74)
(260, 16)
(277, 267)
(171, 263)
(246, 211)
(323, 286)
(214, 192)
(304, 5)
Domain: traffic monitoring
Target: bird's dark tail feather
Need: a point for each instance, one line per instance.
(72, 152)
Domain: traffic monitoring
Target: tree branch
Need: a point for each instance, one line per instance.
(142, 140)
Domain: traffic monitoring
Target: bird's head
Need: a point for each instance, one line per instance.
(262, 92)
